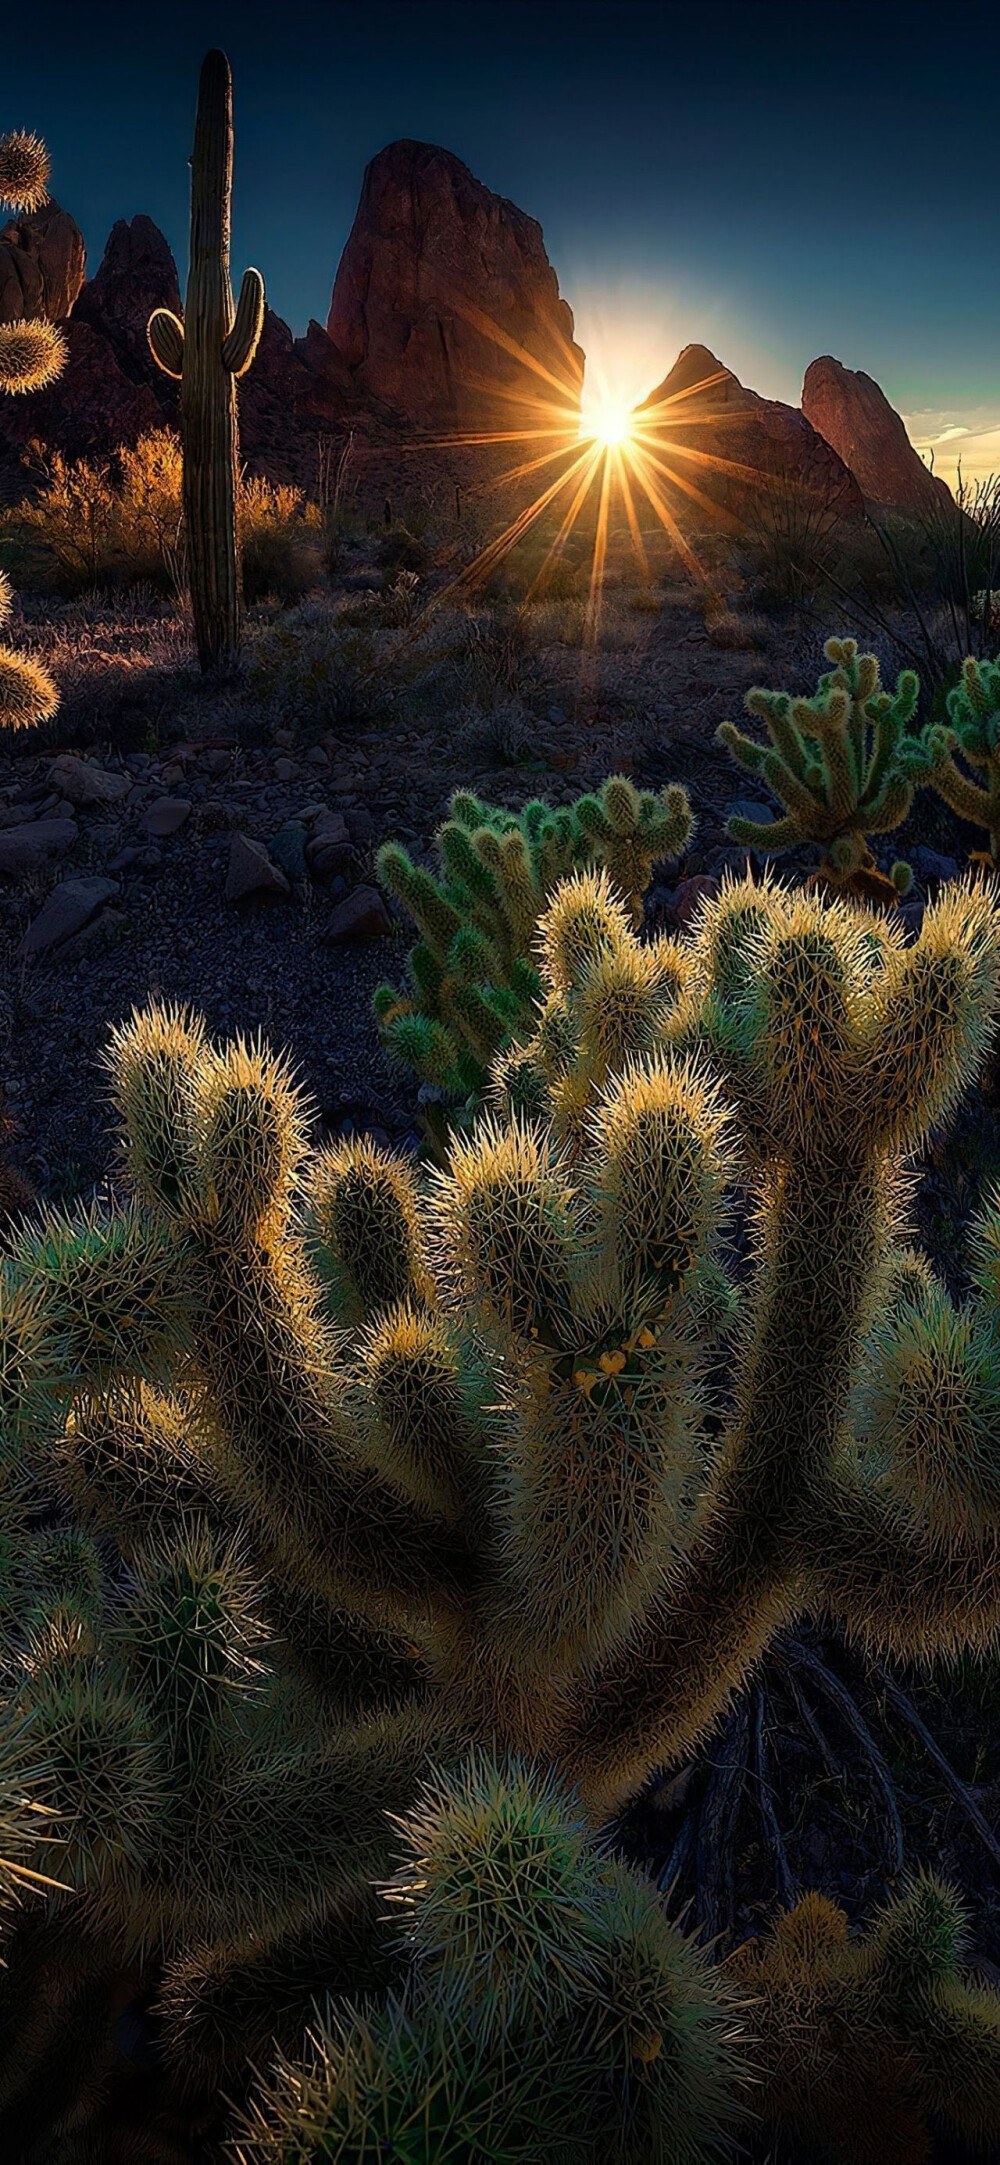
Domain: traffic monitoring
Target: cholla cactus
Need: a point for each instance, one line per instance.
(974, 712)
(475, 968)
(551, 2013)
(834, 762)
(322, 1545)
(896, 2033)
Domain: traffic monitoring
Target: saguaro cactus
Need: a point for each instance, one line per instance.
(215, 344)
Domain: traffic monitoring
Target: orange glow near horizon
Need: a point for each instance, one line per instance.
(591, 448)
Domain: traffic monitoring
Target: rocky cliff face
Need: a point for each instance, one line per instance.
(850, 410)
(42, 264)
(446, 308)
(707, 415)
(136, 274)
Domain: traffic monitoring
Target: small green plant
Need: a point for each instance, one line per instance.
(474, 971)
(972, 731)
(835, 763)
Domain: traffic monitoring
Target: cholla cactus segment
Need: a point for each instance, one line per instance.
(363, 1228)
(24, 171)
(32, 355)
(500, 1893)
(249, 1137)
(152, 1061)
(659, 1143)
(510, 1227)
(630, 830)
(110, 1302)
(28, 694)
(973, 734)
(6, 598)
(836, 761)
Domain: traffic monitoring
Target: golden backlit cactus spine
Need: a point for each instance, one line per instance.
(215, 344)
(32, 355)
(837, 763)
(402, 1474)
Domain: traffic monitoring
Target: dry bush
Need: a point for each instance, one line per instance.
(308, 670)
(730, 629)
(281, 538)
(101, 526)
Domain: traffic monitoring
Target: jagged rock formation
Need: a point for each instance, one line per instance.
(446, 307)
(850, 410)
(136, 274)
(726, 441)
(42, 264)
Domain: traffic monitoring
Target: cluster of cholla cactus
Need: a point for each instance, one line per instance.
(834, 761)
(474, 970)
(974, 732)
(367, 1540)
(207, 352)
(32, 355)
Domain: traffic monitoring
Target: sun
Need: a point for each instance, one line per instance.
(609, 424)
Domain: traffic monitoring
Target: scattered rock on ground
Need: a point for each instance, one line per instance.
(251, 872)
(166, 815)
(64, 913)
(81, 781)
(25, 849)
(361, 916)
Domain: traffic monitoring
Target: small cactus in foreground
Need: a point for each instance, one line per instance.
(834, 762)
(974, 733)
(408, 1536)
(475, 969)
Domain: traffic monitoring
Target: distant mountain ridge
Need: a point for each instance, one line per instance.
(445, 317)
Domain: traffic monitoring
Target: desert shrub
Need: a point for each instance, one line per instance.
(736, 632)
(790, 534)
(399, 550)
(102, 525)
(389, 607)
(281, 540)
(307, 669)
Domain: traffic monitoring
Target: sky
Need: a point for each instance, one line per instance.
(774, 181)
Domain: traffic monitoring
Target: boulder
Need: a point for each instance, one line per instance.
(42, 262)
(442, 288)
(166, 815)
(81, 781)
(733, 446)
(26, 849)
(853, 414)
(361, 916)
(64, 913)
(251, 875)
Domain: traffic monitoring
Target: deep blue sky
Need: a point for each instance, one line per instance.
(776, 180)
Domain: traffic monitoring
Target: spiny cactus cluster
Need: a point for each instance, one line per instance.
(974, 733)
(474, 969)
(32, 355)
(835, 763)
(316, 1479)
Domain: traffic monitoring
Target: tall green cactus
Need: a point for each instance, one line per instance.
(213, 346)
(312, 1485)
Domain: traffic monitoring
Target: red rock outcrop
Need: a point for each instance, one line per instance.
(446, 307)
(136, 274)
(93, 407)
(724, 440)
(42, 264)
(850, 410)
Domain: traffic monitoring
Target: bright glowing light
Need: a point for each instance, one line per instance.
(610, 424)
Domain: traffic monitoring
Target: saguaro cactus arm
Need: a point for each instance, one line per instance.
(239, 348)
